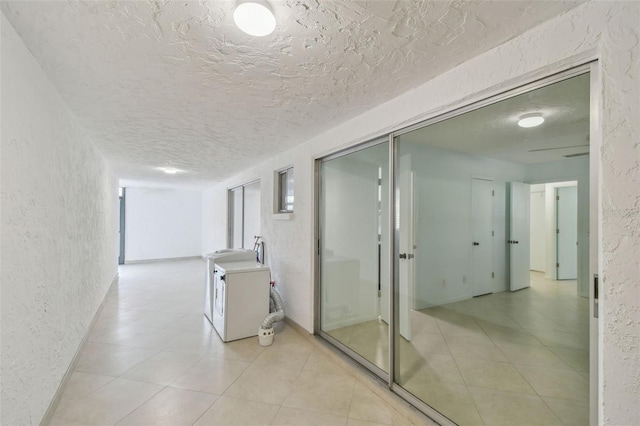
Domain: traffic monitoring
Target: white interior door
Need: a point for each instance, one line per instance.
(406, 246)
(482, 236)
(519, 245)
(567, 232)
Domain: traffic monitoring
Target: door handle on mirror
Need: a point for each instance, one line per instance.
(475, 243)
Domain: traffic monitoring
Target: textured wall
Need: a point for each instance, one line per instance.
(59, 234)
(162, 223)
(609, 29)
(620, 220)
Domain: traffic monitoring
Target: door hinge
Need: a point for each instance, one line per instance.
(493, 193)
(379, 182)
(493, 233)
(557, 197)
(557, 265)
(557, 230)
(493, 275)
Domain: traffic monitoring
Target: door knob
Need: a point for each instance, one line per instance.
(403, 255)
(515, 242)
(410, 256)
(475, 243)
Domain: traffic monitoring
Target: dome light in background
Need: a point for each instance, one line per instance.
(531, 120)
(169, 170)
(255, 18)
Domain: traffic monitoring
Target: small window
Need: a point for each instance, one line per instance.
(285, 191)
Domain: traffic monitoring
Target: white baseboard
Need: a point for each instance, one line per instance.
(349, 321)
(426, 305)
(48, 415)
(167, 259)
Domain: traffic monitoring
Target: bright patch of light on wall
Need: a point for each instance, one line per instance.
(254, 18)
(531, 120)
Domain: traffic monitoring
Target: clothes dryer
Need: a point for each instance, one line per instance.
(240, 298)
(230, 255)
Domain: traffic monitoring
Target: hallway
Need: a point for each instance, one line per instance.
(152, 358)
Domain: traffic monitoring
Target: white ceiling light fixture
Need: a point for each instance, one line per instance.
(254, 17)
(531, 120)
(169, 170)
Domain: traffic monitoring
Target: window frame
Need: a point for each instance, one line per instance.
(284, 184)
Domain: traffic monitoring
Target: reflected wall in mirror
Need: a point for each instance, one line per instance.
(354, 284)
(486, 332)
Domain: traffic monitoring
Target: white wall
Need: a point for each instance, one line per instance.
(162, 223)
(443, 194)
(59, 234)
(214, 220)
(607, 30)
(349, 212)
(251, 220)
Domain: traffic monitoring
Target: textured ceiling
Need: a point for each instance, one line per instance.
(492, 131)
(175, 83)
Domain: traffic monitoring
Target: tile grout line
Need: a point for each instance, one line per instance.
(140, 405)
(207, 409)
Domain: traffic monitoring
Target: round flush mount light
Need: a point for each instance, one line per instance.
(255, 18)
(169, 170)
(531, 120)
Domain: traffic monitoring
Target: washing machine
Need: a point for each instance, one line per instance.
(230, 255)
(240, 298)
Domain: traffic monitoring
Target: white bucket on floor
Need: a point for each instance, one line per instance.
(265, 336)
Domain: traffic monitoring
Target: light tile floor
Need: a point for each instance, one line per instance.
(502, 359)
(152, 358)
